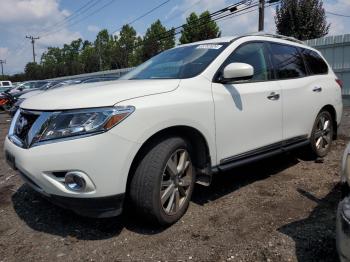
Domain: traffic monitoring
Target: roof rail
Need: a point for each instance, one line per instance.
(289, 38)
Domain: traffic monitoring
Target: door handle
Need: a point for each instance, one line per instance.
(273, 96)
(317, 89)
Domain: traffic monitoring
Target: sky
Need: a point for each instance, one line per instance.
(54, 23)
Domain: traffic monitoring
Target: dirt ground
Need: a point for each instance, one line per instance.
(280, 209)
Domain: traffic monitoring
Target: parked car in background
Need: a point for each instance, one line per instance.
(6, 101)
(175, 120)
(9, 97)
(3, 89)
(28, 85)
(4, 85)
(53, 85)
(343, 211)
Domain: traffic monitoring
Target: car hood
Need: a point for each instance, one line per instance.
(97, 94)
(30, 94)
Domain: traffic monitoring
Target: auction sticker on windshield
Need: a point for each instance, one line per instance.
(209, 46)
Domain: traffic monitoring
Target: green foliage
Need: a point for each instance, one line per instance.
(126, 42)
(126, 49)
(302, 19)
(156, 40)
(199, 28)
(33, 70)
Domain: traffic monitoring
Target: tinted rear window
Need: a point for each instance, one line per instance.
(287, 61)
(6, 83)
(315, 63)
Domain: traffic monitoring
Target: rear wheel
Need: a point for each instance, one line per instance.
(162, 185)
(322, 134)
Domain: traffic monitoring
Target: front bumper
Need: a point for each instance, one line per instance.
(105, 159)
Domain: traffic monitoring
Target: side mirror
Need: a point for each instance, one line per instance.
(236, 72)
(20, 88)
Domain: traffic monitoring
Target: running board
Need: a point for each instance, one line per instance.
(248, 158)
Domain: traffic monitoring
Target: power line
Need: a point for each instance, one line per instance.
(250, 11)
(215, 16)
(83, 18)
(143, 15)
(337, 14)
(172, 17)
(72, 16)
(32, 38)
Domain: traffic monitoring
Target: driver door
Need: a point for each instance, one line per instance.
(248, 113)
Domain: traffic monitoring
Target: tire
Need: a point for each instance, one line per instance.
(163, 182)
(322, 134)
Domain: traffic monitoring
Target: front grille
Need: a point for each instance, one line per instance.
(23, 124)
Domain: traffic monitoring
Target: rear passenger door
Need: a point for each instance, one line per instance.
(298, 91)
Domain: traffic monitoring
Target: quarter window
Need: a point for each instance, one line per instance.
(315, 62)
(253, 54)
(287, 61)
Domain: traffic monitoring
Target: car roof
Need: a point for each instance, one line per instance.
(261, 35)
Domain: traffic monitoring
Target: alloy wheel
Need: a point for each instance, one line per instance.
(323, 133)
(176, 182)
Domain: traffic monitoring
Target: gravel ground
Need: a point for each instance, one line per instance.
(280, 209)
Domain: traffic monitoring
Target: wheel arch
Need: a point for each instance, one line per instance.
(202, 158)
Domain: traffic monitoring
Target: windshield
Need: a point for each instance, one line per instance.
(177, 63)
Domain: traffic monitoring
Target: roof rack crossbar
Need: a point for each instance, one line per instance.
(289, 38)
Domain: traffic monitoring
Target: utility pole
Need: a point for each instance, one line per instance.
(32, 38)
(2, 62)
(261, 14)
(99, 54)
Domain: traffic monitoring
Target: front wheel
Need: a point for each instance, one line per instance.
(162, 184)
(322, 134)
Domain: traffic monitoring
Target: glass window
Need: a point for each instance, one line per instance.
(287, 61)
(253, 54)
(6, 83)
(178, 63)
(315, 62)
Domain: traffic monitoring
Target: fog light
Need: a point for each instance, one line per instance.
(75, 181)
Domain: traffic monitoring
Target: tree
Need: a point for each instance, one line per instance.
(33, 71)
(103, 49)
(71, 53)
(199, 28)
(302, 19)
(126, 42)
(90, 59)
(156, 40)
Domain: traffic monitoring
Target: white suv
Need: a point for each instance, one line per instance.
(187, 113)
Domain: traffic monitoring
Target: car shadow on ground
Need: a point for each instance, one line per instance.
(41, 215)
(227, 182)
(314, 236)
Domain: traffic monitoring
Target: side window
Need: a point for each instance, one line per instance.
(26, 85)
(253, 54)
(287, 61)
(315, 62)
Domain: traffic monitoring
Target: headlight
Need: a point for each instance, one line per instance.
(81, 122)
